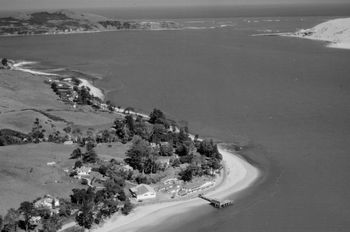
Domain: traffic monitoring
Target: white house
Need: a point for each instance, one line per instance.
(48, 202)
(143, 192)
(83, 171)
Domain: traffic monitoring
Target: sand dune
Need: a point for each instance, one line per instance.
(336, 32)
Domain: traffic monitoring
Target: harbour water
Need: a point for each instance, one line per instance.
(285, 99)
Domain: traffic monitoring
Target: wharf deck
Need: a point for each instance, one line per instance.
(215, 202)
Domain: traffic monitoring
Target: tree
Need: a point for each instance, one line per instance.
(182, 149)
(90, 145)
(76, 154)
(122, 196)
(187, 174)
(85, 217)
(112, 187)
(110, 105)
(210, 150)
(183, 135)
(130, 123)
(186, 159)
(11, 220)
(175, 163)
(157, 116)
(84, 96)
(90, 156)
(52, 224)
(166, 150)
(151, 166)
(67, 129)
(54, 86)
(122, 131)
(138, 153)
(27, 210)
(127, 207)
(4, 62)
(142, 129)
(65, 208)
(1, 222)
(159, 134)
(82, 196)
(37, 131)
(78, 164)
(207, 148)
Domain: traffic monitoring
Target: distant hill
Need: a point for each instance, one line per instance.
(64, 21)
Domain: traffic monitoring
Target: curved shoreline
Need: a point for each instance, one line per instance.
(239, 175)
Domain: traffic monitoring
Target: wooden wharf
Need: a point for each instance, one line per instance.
(215, 202)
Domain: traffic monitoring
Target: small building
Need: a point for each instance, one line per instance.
(127, 168)
(164, 160)
(143, 192)
(47, 202)
(83, 171)
(68, 142)
(35, 220)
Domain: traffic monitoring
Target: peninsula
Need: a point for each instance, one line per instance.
(335, 32)
(81, 162)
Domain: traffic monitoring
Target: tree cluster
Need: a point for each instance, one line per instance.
(90, 156)
(142, 157)
(96, 206)
(21, 218)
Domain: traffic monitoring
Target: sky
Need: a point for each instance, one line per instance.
(66, 4)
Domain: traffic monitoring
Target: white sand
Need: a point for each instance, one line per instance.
(336, 32)
(20, 67)
(93, 90)
(239, 175)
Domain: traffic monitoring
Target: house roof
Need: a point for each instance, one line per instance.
(142, 189)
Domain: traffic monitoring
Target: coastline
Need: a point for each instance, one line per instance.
(239, 175)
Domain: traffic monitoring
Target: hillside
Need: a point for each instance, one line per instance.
(24, 173)
(336, 31)
(64, 21)
(25, 97)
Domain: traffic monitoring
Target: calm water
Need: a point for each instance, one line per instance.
(288, 99)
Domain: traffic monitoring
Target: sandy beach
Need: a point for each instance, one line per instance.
(239, 174)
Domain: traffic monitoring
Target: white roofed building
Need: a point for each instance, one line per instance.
(143, 192)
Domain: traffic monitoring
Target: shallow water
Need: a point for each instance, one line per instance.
(287, 98)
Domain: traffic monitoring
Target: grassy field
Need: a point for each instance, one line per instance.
(115, 150)
(25, 97)
(25, 175)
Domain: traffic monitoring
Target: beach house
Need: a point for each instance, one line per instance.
(143, 192)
